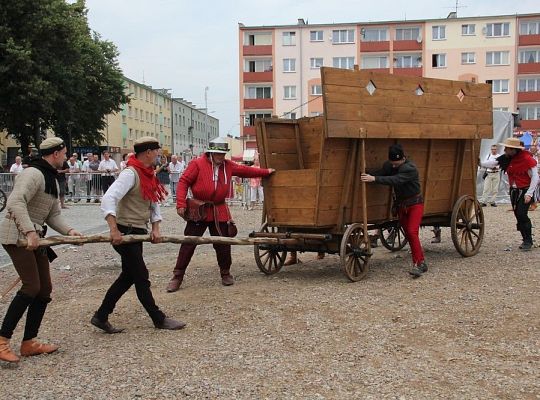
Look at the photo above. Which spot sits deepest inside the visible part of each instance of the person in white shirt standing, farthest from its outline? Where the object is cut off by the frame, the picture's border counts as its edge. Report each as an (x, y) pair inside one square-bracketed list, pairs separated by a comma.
[(74, 180), (491, 180), (17, 167), (108, 168), (176, 168)]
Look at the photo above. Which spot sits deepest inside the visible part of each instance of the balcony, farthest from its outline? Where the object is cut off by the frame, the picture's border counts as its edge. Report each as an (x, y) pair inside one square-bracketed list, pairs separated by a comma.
[(374, 46), (250, 77), (258, 104), (249, 130), (529, 124), (529, 68), (529, 40), (528, 97), (406, 45), (416, 71), (377, 70), (261, 50)]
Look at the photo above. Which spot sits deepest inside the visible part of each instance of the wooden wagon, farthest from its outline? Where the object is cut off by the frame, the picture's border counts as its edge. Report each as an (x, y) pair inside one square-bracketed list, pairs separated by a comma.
[(316, 201)]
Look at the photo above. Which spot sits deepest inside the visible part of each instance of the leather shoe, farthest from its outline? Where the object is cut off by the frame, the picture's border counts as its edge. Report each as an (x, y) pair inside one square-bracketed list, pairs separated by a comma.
[(174, 284), (227, 280), (105, 326), (5, 351), (170, 324), (34, 348)]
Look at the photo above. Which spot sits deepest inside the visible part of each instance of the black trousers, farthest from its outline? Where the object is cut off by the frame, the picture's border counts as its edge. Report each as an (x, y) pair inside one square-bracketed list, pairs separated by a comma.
[(521, 210), (134, 272), (106, 181)]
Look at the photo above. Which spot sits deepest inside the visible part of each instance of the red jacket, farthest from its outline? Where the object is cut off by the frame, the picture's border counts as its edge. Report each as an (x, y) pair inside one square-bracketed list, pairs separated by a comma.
[(518, 170), (199, 177)]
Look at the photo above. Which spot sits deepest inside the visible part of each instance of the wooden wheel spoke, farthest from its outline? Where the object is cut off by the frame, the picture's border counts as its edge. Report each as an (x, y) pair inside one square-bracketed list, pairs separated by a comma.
[(467, 226)]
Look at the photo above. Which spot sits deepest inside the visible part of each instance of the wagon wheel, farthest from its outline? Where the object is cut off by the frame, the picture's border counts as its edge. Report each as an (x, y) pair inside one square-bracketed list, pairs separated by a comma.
[(467, 226), (269, 258), (393, 237), (355, 252), (3, 200)]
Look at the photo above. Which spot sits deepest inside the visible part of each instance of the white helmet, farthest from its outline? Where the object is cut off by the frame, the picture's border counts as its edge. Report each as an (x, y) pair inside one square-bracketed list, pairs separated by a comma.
[(218, 145)]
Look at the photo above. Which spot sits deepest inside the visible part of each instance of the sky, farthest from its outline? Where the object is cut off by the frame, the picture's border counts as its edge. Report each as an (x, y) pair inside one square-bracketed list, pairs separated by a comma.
[(189, 45)]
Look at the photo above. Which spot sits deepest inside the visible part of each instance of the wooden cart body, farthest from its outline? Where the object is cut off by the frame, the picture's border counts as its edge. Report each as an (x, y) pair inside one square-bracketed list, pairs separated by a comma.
[(318, 161)]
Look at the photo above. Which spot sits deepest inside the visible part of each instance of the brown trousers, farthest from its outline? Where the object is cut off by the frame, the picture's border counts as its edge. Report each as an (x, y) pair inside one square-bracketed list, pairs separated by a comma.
[(33, 269)]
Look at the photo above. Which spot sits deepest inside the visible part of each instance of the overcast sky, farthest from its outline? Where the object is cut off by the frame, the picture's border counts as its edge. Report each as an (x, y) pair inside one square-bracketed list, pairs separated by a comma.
[(188, 45)]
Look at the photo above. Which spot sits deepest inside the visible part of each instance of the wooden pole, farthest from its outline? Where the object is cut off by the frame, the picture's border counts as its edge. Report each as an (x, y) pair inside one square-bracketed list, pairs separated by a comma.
[(364, 194), (79, 240)]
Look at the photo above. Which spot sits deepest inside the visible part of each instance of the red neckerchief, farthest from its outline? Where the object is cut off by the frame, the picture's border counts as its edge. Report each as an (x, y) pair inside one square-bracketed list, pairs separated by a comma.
[(151, 187)]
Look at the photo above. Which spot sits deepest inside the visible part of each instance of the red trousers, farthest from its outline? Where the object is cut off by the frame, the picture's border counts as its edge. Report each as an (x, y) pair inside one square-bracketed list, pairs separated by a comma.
[(223, 251), (410, 219)]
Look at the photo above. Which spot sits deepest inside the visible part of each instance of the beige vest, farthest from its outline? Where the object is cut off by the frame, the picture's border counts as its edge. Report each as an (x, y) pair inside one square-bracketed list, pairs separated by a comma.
[(132, 209)]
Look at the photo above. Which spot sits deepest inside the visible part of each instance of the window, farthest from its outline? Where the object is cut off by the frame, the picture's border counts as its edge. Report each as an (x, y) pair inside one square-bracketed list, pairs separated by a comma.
[(290, 115), (289, 38), (529, 56), (374, 35), (147, 117), (142, 115), (343, 36), (289, 65), (343, 62), (529, 28), (468, 58), (316, 90), (529, 112), (529, 85), (408, 61), (500, 108), (130, 112), (438, 60), (439, 32), (374, 62), (497, 57), (250, 118), (316, 62), (407, 33), (289, 92), (253, 92), (258, 39), (499, 85), (258, 65), (498, 29), (315, 113), (136, 113), (316, 36), (468, 29)]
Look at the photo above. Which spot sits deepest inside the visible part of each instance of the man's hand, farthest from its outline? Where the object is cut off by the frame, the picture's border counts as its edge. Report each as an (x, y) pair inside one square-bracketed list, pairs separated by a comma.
[(367, 178), (116, 236), (181, 212), (155, 235), (73, 232), (33, 241), (527, 199), (272, 170)]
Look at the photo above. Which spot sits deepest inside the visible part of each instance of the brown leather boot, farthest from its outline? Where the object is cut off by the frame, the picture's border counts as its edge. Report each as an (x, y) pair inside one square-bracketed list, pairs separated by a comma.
[(227, 279), (174, 283), (34, 348), (5, 351), (292, 259)]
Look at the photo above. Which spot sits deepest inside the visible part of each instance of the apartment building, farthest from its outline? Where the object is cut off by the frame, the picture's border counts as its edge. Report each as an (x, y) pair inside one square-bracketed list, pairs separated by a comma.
[(192, 128), (279, 65)]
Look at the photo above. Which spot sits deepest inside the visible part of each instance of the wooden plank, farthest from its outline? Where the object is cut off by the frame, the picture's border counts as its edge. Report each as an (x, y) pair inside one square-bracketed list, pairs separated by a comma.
[(332, 177), (293, 178), (284, 146), (334, 159), (351, 129), (300, 197), (329, 198), (406, 113), (260, 132), (440, 190), (292, 216), (343, 77), (354, 95), (346, 190), (298, 147), (276, 130), (283, 161)]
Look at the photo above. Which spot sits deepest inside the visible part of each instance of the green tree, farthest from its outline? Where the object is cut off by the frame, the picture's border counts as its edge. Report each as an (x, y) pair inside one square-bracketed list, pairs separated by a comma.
[(55, 72)]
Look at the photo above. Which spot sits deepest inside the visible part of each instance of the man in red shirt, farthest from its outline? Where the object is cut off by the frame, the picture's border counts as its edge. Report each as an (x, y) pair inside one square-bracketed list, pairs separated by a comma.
[(522, 173), (209, 177)]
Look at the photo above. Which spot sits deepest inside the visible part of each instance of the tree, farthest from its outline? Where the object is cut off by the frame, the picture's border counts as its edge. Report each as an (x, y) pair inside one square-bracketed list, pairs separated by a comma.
[(55, 73)]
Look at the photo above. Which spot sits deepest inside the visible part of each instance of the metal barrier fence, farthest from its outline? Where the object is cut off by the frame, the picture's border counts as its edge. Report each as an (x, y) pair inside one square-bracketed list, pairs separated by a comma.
[(89, 187)]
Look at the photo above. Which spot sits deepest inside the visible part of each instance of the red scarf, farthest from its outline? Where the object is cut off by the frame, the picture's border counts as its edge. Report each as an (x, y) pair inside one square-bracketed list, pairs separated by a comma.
[(151, 187)]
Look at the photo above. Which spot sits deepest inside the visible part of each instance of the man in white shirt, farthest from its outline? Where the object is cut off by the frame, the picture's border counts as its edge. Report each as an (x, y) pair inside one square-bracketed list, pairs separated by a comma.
[(492, 180), (176, 168), (17, 167), (108, 168), (74, 180), (133, 200)]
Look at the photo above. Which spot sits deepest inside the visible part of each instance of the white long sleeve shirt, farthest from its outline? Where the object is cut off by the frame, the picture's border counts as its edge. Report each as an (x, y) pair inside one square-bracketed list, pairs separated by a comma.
[(117, 191), (105, 165)]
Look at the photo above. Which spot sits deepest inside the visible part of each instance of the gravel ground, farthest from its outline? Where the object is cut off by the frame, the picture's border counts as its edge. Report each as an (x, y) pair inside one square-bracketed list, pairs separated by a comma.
[(468, 329)]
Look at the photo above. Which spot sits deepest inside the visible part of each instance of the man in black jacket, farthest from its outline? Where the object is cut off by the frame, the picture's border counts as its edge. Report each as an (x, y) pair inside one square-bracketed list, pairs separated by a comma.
[(402, 175)]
